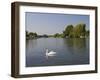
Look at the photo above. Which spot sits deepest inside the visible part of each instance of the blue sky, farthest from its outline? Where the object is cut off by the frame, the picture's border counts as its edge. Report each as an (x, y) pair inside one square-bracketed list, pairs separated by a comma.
[(51, 23)]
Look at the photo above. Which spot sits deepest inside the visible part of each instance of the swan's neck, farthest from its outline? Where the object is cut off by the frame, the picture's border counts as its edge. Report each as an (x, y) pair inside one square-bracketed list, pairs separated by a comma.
[(46, 51)]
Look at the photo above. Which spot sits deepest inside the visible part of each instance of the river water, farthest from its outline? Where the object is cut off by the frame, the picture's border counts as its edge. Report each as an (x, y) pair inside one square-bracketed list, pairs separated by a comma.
[(69, 51)]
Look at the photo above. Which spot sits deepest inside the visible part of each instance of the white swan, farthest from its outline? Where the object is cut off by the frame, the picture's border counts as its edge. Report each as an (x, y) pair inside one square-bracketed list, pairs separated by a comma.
[(51, 53)]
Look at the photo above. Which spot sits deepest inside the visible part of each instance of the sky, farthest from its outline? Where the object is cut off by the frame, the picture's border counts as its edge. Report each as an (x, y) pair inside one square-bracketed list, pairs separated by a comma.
[(51, 23)]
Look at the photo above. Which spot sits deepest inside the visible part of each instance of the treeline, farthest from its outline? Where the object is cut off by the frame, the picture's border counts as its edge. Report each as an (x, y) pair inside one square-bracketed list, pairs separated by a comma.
[(31, 35), (78, 31)]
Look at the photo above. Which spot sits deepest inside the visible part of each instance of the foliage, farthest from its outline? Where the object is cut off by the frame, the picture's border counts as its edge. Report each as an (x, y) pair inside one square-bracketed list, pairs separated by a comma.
[(78, 31), (45, 36), (30, 35), (68, 31), (27, 33), (56, 35), (87, 33)]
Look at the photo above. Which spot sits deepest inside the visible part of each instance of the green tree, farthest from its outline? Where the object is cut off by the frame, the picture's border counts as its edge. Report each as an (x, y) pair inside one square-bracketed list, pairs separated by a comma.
[(79, 30), (57, 35), (35, 34), (87, 33), (32, 35), (68, 31)]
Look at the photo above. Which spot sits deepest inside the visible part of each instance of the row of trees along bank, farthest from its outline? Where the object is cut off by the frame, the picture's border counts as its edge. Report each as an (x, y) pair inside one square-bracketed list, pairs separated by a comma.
[(78, 31)]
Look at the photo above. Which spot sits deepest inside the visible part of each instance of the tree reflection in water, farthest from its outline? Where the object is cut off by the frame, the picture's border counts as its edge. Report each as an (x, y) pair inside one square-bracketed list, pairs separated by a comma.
[(75, 44)]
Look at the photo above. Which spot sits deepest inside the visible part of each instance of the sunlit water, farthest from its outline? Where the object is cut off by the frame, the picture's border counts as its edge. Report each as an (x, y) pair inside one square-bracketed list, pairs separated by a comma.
[(68, 51)]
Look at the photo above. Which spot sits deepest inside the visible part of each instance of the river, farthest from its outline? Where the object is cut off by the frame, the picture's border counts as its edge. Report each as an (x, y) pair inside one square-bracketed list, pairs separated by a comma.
[(69, 51)]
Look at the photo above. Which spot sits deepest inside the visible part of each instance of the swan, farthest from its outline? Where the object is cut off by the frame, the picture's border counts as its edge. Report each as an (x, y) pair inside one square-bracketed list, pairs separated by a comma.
[(51, 53)]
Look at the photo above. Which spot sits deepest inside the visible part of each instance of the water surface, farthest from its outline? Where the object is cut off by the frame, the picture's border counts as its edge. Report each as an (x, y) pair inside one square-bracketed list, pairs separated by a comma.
[(69, 51)]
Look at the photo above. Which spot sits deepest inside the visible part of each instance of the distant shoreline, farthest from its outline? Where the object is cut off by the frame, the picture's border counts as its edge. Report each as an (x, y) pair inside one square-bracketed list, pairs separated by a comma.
[(79, 31)]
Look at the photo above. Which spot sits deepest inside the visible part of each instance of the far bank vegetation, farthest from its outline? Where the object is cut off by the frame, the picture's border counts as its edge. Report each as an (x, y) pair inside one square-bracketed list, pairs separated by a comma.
[(78, 31)]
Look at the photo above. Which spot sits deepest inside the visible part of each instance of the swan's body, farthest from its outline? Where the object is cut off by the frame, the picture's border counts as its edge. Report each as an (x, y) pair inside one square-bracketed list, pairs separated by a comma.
[(51, 53)]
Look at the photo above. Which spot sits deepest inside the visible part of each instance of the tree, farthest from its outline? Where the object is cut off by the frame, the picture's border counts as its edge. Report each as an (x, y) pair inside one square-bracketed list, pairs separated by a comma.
[(32, 35), (45, 36), (87, 33), (56, 35), (27, 34), (35, 34), (79, 30), (68, 31)]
